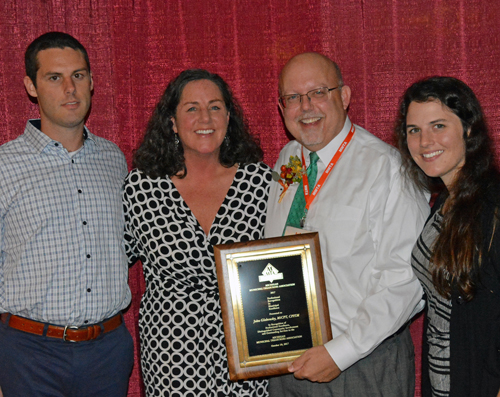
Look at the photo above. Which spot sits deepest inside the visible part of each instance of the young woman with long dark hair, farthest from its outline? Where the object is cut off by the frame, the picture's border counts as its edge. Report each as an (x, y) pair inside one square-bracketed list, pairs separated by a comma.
[(443, 137)]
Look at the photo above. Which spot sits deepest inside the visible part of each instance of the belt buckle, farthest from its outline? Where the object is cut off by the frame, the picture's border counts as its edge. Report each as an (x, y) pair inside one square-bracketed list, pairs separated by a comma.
[(65, 331)]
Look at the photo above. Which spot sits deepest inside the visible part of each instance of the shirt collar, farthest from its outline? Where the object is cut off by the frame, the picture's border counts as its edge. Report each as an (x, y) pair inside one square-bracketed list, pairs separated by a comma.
[(326, 154), (39, 140)]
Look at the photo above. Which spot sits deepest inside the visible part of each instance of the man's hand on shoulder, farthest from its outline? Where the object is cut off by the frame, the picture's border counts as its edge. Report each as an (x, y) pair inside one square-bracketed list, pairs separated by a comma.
[(316, 365)]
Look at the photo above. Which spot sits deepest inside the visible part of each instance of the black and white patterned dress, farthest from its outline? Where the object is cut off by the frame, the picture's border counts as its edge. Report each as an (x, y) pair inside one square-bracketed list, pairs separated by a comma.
[(183, 351)]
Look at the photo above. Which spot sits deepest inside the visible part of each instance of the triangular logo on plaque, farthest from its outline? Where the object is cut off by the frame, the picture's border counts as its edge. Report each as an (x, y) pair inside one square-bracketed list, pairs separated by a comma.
[(269, 274)]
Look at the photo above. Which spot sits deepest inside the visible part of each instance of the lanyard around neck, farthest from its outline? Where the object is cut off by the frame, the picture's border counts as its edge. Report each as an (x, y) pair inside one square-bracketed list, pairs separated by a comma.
[(305, 183)]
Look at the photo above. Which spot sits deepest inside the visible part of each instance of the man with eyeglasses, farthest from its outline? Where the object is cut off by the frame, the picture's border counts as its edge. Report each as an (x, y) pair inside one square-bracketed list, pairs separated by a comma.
[(368, 220)]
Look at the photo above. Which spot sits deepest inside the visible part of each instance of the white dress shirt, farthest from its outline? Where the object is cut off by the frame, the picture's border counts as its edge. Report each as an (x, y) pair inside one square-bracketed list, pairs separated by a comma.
[(368, 218)]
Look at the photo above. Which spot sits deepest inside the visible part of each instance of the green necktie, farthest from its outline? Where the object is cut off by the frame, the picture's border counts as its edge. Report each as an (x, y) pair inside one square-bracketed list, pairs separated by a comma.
[(299, 202)]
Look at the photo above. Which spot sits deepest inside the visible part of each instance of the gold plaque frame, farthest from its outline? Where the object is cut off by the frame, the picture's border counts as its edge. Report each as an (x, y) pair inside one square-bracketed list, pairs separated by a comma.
[(228, 257)]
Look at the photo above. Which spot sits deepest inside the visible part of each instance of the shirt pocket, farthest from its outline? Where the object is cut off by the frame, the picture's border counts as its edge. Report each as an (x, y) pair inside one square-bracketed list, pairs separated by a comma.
[(339, 226)]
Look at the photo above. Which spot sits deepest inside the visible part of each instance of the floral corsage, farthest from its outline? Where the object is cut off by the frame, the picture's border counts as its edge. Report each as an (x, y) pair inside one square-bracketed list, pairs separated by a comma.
[(290, 173)]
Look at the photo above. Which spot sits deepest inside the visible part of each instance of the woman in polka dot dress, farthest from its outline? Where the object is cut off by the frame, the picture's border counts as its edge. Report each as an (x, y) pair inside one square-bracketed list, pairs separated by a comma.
[(198, 182)]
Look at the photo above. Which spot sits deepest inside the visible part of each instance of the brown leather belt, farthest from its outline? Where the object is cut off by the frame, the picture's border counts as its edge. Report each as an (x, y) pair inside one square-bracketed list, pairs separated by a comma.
[(68, 333)]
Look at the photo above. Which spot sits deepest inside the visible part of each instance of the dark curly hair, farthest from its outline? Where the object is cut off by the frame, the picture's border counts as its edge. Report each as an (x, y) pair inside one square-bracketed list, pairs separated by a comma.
[(159, 156), (458, 249)]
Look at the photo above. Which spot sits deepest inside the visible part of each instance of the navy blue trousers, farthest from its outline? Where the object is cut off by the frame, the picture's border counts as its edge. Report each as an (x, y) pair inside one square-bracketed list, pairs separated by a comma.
[(39, 366)]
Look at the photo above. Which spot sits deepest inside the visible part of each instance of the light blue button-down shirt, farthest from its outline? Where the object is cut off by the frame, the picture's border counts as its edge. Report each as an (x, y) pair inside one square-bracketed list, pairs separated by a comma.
[(62, 257)]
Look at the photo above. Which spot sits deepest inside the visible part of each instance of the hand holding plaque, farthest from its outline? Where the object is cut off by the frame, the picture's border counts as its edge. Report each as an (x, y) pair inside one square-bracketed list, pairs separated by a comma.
[(273, 302)]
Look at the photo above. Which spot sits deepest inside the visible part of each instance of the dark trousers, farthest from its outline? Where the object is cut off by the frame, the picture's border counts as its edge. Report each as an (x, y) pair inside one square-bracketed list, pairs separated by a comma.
[(36, 366), (389, 371)]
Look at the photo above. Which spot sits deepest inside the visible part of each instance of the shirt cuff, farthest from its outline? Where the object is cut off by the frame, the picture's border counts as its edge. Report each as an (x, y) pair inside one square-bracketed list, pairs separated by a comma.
[(342, 352)]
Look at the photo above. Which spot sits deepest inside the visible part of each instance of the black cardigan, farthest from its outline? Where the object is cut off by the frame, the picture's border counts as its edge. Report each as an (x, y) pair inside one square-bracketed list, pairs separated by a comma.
[(475, 325)]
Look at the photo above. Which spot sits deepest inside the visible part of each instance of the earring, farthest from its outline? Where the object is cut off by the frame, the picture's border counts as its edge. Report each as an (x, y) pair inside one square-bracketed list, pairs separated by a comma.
[(176, 140), (226, 141)]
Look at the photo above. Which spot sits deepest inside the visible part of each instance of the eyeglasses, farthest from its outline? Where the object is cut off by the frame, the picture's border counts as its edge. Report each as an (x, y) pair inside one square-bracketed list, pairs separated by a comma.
[(316, 95)]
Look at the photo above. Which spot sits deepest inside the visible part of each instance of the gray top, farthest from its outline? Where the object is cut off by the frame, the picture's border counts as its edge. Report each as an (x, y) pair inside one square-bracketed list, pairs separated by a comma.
[(437, 333)]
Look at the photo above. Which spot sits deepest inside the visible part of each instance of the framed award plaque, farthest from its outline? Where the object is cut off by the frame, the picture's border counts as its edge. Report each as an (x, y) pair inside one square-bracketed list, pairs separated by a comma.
[(273, 301)]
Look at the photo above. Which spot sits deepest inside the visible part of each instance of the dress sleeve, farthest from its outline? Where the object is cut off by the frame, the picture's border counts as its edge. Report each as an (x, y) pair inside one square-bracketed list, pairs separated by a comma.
[(130, 240)]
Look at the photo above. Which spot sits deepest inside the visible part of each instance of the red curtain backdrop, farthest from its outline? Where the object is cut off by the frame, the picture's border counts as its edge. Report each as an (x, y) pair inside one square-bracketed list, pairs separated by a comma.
[(137, 46)]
